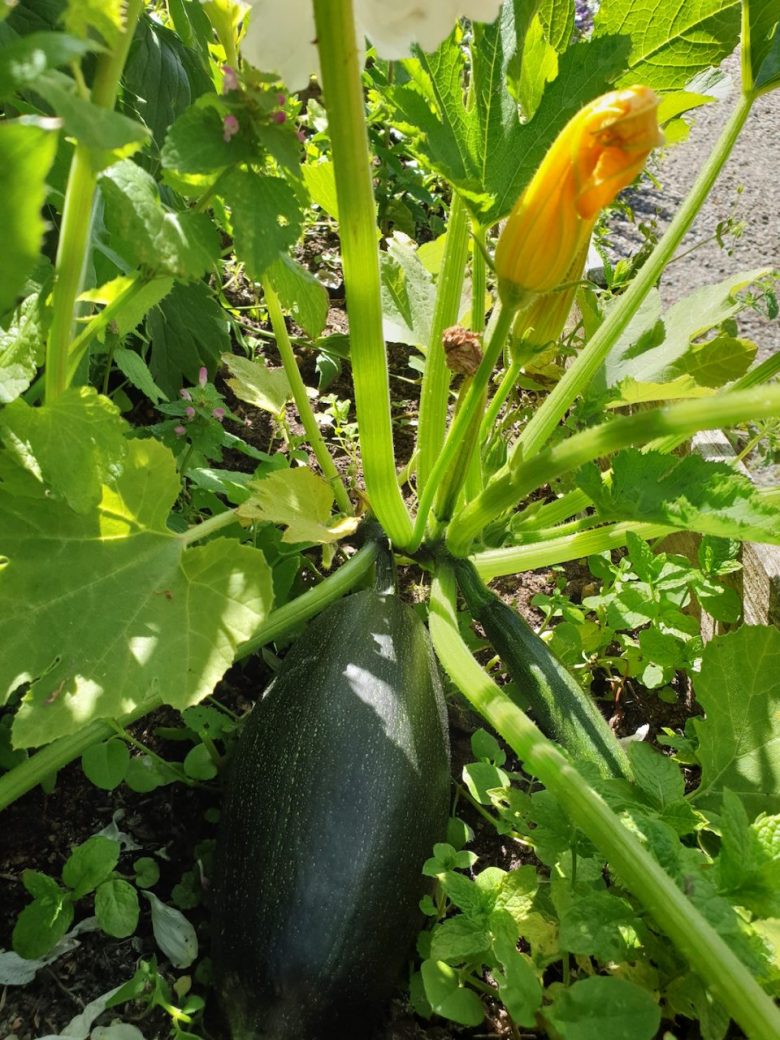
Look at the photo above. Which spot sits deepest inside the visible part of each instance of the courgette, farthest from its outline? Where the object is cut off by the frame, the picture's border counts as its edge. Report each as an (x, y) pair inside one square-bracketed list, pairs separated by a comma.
[(562, 709), (338, 789)]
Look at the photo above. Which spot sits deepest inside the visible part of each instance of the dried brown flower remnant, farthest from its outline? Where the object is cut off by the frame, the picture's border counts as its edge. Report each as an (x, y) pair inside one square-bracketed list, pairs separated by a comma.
[(463, 350)]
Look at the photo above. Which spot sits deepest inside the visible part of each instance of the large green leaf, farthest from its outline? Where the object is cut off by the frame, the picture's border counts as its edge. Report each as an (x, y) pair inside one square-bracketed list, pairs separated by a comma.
[(188, 329), (655, 348), (739, 738), (763, 56), (161, 77), (22, 348), (689, 493), (267, 218), (110, 134), (182, 244), (26, 154), (71, 446), (671, 42), (196, 143), (486, 152), (602, 1007), (99, 611)]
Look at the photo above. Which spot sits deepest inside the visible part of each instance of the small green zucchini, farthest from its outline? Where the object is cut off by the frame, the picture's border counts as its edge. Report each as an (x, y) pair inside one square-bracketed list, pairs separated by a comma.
[(338, 789), (563, 710)]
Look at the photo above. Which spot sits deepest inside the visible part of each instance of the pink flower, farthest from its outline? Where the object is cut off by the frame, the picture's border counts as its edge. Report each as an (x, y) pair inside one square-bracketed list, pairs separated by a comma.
[(279, 117), (185, 394), (218, 414), (203, 375), (230, 79), (179, 431), (230, 127), (281, 99), (190, 412)]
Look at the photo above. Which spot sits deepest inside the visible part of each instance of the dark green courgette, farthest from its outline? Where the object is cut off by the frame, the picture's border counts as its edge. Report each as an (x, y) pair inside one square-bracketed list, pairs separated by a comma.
[(338, 789), (562, 709)]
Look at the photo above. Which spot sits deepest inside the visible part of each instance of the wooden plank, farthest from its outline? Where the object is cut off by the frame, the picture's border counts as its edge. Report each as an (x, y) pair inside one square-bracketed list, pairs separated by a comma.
[(760, 578)]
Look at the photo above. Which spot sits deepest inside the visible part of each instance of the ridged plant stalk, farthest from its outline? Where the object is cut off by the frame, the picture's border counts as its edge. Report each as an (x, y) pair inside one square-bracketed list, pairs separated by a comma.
[(434, 395), (28, 774), (575, 381), (343, 93), (512, 483), (708, 954), (301, 398), (452, 462), (496, 563), (76, 229)]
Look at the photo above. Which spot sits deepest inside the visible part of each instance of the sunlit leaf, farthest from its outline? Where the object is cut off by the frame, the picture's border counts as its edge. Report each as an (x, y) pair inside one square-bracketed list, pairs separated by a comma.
[(26, 154), (257, 384), (129, 610), (302, 502)]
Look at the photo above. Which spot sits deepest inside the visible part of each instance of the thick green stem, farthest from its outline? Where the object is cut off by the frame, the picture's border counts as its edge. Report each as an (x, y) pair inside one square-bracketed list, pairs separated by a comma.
[(343, 92), (508, 380), (75, 232), (512, 484), (478, 280), (495, 563), (301, 399), (432, 418), (629, 860), (28, 774), (447, 466), (582, 371)]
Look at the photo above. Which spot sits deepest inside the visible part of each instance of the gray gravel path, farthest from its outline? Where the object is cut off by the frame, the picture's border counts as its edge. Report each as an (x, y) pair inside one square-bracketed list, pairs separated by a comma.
[(747, 189)]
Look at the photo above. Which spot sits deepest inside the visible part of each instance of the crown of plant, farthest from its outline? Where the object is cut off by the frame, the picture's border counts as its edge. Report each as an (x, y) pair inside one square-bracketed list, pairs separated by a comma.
[(599, 151)]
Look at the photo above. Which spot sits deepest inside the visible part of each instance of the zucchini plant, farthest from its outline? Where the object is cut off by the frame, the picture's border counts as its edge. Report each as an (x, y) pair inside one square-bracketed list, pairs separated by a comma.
[(134, 573)]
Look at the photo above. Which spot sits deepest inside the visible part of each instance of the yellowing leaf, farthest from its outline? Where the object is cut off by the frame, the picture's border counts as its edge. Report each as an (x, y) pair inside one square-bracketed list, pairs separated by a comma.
[(106, 16), (632, 391), (300, 501), (257, 384)]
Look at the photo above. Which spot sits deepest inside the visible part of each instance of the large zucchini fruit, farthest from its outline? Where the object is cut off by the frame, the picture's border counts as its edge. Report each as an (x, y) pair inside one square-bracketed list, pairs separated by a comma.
[(563, 710), (338, 789)]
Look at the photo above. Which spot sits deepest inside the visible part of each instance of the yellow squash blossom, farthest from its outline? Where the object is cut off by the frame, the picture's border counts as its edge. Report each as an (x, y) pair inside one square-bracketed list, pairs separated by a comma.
[(599, 151)]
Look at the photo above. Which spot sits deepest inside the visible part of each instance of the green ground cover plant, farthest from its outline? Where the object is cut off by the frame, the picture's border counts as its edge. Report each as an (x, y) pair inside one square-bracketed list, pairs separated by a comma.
[(197, 458)]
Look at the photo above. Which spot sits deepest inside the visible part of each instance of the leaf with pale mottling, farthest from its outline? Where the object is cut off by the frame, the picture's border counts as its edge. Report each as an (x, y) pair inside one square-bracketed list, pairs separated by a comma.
[(739, 738), (257, 384), (71, 446), (300, 501), (128, 612), (671, 42)]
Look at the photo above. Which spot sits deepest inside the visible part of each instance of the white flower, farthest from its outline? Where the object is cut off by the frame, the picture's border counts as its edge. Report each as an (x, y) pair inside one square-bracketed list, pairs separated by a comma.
[(281, 37)]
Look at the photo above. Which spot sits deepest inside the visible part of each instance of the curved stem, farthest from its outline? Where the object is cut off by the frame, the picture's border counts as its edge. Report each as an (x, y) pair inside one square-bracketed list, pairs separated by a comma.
[(28, 774), (432, 418), (447, 468), (75, 232), (301, 398), (582, 371), (511, 484), (495, 563), (628, 858), (343, 92)]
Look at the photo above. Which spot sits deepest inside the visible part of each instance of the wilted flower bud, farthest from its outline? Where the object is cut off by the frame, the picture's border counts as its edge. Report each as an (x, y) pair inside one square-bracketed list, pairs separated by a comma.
[(599, 151), (218, 414), (185, 394), (463, 350), (203, 375)]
